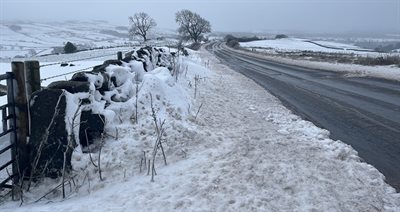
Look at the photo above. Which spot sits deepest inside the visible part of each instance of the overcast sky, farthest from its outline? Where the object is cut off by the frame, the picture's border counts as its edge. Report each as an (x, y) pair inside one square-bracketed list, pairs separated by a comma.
[(333, 16)]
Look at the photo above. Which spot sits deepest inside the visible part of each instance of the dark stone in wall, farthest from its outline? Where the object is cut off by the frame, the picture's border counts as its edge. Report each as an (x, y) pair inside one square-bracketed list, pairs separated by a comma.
[(71, 86), (91, 128), (49, 147)]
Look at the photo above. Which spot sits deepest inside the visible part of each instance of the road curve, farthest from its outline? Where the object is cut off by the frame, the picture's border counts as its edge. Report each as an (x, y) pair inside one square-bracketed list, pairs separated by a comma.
[(362, 112)]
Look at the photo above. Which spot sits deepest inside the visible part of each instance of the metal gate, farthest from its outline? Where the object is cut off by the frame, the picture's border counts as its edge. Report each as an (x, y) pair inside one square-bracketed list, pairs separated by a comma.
[(8, 149)]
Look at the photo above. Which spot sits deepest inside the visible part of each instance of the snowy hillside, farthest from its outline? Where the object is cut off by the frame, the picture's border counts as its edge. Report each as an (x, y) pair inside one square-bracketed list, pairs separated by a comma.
[(21, 39)]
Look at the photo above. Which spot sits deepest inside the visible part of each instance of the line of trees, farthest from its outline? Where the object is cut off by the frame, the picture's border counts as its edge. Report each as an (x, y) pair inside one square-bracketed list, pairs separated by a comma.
[(191, 25)]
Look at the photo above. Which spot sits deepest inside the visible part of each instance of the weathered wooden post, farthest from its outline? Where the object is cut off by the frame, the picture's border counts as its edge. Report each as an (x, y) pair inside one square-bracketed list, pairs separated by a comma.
[(32, 77), (21, 114), (32, 81), (119, 55)]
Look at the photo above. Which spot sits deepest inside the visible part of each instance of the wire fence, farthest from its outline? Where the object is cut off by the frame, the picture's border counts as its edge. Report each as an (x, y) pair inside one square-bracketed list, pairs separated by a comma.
[(80, 59), (76, 71), (65, 74)]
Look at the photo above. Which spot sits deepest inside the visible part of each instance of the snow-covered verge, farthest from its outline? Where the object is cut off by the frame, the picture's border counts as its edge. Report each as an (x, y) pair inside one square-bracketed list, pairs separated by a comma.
[(244, 152), (390, 72)]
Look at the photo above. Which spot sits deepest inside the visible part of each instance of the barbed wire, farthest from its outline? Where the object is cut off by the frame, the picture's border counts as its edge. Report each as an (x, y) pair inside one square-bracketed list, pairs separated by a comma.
[(64, 74), (80, 59)]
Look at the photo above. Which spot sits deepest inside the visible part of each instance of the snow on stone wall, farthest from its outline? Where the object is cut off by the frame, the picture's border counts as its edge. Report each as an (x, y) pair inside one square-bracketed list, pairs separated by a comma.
[(96, 99)]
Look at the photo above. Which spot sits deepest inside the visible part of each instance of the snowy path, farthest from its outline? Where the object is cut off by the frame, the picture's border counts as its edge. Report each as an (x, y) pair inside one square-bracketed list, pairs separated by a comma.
[(248, 153)]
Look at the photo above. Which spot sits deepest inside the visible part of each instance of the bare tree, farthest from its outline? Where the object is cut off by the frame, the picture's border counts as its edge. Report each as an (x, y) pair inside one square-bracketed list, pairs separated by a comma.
[(141, 23), (192, 25)]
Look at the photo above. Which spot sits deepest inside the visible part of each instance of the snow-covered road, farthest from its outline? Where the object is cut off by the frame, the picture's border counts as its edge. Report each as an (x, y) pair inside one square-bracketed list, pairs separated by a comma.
[(246, 153)]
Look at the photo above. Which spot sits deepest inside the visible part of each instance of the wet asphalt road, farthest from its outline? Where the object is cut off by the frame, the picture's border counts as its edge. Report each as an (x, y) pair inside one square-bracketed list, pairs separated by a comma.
[(362, 112)]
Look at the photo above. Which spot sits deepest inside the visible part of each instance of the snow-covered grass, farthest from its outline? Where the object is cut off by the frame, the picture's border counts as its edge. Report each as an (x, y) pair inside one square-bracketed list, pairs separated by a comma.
[(244, 152)]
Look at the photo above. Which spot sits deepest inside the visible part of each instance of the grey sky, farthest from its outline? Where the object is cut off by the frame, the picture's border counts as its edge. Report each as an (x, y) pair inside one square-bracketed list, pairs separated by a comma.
[(234, 15)]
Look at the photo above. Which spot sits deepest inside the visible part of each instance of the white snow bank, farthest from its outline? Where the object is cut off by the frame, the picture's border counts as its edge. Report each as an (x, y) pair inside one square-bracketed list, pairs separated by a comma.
[(125, 141)]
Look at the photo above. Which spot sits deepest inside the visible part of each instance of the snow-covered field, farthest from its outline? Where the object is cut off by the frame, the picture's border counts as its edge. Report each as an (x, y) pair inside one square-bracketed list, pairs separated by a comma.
[(299, 45), (27, 38), (243, 152)]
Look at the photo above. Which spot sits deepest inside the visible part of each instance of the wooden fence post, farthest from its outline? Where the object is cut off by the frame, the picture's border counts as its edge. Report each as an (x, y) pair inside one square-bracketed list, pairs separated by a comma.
[(32, 77), (21, 113), (32, 80), (119, 55)]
